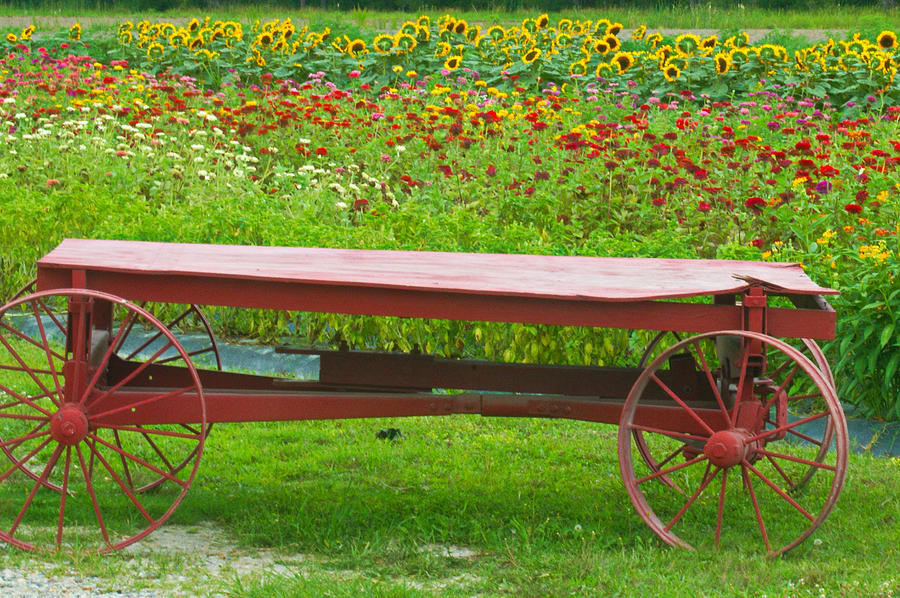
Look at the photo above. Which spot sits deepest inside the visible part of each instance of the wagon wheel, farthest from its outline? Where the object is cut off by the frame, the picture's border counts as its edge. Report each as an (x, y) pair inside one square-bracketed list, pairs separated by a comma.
[(193, 329), (712, 451), (137, 338), (25, 289), (69, 413), (809, 347)]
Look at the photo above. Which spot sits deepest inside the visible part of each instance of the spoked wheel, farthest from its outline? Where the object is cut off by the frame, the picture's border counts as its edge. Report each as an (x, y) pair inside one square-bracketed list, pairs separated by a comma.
[(26, 289), (74, 416), (193, 330), (718, 446)]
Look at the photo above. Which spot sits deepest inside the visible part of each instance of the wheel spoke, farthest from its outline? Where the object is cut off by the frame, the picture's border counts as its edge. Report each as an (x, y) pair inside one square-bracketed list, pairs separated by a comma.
[(62, 497), (721, 508), (712, 383), (104, 361), (26, 401), (22, 336), (159, 453), (90, 489), (168, 395), (779, 491), (28, 371), (131, 376), (669, 470), (49, 355), (18, 464), (772, 454), (126, 489), (672, 455), (144, 431), (682, 404), (190, 354), (16, 442), (759, 518), (51, 463), (52, 316), (706, 480), (805, 437), (781, 472), (786, 428), (15, 368), (136, 459), (668, 433), (122, 458)]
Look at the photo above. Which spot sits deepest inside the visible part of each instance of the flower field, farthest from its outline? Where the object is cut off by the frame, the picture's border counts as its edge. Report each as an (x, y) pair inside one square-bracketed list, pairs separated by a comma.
[(558, 138)]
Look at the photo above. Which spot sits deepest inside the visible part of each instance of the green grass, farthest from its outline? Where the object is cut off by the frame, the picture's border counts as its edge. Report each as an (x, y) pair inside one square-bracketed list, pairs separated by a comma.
[(703, 16), (538, 503)]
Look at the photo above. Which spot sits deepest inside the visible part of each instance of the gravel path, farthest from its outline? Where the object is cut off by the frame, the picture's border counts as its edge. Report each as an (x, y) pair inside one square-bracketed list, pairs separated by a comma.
[(15, 583)]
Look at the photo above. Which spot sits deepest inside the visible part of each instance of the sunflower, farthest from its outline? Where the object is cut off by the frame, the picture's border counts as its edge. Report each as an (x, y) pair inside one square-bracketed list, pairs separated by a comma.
[(196, 44), (562, 40), (125, 38), (216, 34), (623, 61), (614, 29), (686, 43), (179, 38), (424, 21), (638, 34), (671, 72), (741, 40), (613, 42), (653, 39), (287, 30), (564, 25), (126, 26), (723, 63), (155, 51), (601, 47), (530, 25), (405, 42), (75, 32), (383, 43), (603, 69), (356, 47), (409, 27), (497, 32), (442, 50), (423, 34), (879, 61), (531, 55), (460, 27), (708, 44), (11, 38), (193, 25), (27, 32), (264, 39), (473, 33), (772, 53), (452, 63), (578, 68), (602, 25), (542, 21)]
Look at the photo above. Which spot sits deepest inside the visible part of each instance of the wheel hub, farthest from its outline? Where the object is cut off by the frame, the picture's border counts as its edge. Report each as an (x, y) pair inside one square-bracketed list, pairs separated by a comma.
[(726, 448), (69, 425)]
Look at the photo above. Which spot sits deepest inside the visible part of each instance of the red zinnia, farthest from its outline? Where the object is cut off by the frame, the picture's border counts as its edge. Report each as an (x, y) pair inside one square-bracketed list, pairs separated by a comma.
[(321, 151), (853, 208)]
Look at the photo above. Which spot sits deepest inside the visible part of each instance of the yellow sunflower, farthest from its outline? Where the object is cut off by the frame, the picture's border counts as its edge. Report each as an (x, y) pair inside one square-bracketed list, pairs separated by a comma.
[(886, 40), (723, 63), (405, 42), (638, 34), (155, 51), (75, 32), (460, 27), (531, 55), (383, 43), (623, 61), (356, 48), (671, 72), (452, 63), (612, 42), (424, 21), (579, 67), (442, 50), (11, 38), (614, 29), (542, 21), (708, 44)]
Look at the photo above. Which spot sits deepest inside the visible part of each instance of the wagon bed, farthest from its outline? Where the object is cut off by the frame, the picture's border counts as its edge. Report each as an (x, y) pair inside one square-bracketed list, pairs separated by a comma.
[(465, 286)]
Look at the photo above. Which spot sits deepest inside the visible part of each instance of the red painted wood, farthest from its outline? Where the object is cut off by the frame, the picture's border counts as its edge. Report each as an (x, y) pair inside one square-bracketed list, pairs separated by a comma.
[(237, 406), (552, 277)]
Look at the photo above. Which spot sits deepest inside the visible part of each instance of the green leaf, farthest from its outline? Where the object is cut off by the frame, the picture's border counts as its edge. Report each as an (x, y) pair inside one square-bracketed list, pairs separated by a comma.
[(886, 334), (891, 369)]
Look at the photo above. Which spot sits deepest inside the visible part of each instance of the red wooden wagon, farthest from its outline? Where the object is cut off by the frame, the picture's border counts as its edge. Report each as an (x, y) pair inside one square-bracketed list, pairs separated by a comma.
[(103, 413)]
